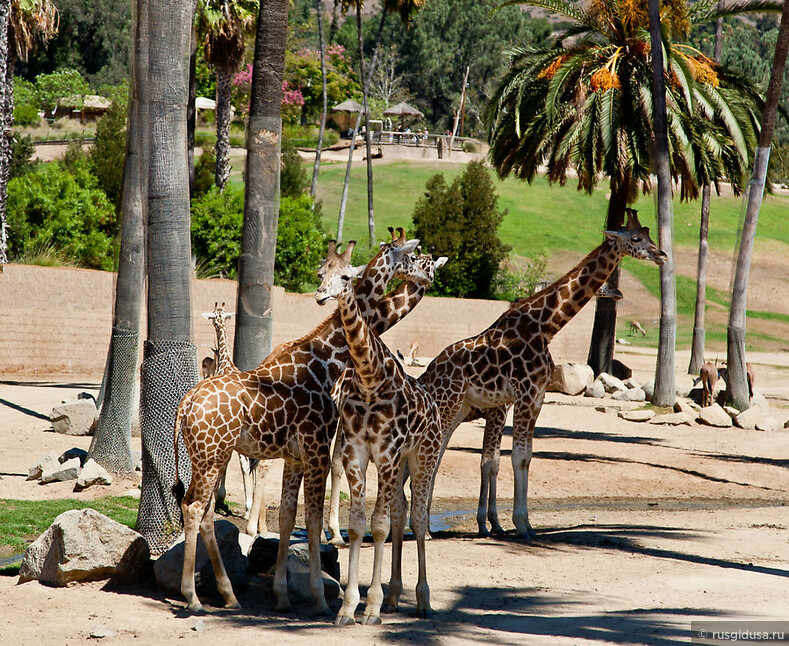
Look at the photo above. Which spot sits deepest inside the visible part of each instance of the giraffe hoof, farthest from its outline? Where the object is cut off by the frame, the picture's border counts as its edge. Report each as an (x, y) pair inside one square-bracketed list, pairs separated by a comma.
[(483, 533), (344, 620), (323, 612), (371, 620), (389, 608), (424, 613), (498, 531), (233, 605), (195, 609), (284, 608), (337, 542)]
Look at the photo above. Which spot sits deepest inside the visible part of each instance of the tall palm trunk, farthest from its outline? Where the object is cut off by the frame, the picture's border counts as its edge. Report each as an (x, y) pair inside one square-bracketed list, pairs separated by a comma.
[(601, 347), (737, 380), (316, 168), (111, 444), (224, 89), (366, 113), (261, 204), (170, 363), (665, 393), (5, 129), (365, 92), (335, 21), (699, 334), (191, 110)]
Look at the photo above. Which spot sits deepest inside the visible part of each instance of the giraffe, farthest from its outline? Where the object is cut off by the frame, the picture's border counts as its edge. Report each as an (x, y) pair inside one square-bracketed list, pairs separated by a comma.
[(282, 409), (251, 470), (386, 417), (509, 363), (429, 265)]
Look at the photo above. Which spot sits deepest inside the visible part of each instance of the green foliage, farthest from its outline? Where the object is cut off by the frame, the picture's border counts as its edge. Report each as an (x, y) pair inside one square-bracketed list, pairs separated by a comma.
[(461, 221), (75, 159), (301, 243), (108, 153), (62, 84), (292, 176), (25, 103), (22, 150), (217, 222), (512, 284), (65, 210), (204, 172)]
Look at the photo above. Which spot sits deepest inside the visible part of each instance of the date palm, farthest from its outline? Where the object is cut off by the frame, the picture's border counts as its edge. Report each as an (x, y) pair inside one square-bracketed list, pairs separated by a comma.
[(224, 24), (583, 105)]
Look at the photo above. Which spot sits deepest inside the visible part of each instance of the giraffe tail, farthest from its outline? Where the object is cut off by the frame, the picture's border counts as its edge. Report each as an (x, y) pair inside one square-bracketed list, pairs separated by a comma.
[(178, 488)]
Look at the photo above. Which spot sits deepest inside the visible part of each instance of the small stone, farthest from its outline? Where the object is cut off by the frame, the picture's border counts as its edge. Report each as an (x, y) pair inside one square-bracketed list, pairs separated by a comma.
[(714, 416), (99, 632), (47, 463), (672, 419), (77, 417), (61, 472), (786, 424), (750, 418), (637, 415), (768, 424), (622, 341), (595, 390), (199, 626), (611, 383), (92, 474)]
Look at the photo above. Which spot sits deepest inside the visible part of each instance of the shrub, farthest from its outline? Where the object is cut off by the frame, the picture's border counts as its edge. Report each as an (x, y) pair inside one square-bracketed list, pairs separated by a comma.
[(204, 172), (53, 208), (301, 243), (510, 285), (292, 175), (217, 221), (22, 150), (460, 220), (25, 103), (108, 153)]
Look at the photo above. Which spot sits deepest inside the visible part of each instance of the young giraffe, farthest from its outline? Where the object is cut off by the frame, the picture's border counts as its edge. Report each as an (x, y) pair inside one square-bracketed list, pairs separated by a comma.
[(386, 416), (281, 409), (251, 470), (510, 363)]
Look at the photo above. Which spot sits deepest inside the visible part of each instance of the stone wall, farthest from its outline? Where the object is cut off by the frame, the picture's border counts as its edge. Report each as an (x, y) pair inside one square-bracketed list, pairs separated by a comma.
[(58, 321)]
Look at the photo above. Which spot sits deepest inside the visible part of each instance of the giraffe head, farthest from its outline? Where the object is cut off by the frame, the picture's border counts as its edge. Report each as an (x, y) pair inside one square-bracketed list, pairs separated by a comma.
[(336, 271), (633, 240), (218, 315), (428, 264), (396, 259)]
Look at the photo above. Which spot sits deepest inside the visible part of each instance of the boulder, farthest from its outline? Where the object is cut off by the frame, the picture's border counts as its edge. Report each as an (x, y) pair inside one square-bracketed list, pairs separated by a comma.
[(84, 545), (263, 555), (299, 582), (635, 394), (760, 400), (768, 424), (168, 567), (620, 370), (636, 415), (596, 389), (61, 472), (78, 417), (681, 406), (786, 424), (750, 418), (92, 473), (571, 378), (714, 416), (611, 383), (672, 419), (649, 389), (631, 382), (47, 463)]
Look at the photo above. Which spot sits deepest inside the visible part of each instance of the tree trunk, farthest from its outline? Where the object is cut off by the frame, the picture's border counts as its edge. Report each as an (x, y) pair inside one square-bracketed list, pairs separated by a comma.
[(261, 203), (366, 113), (335, 21), (170, 363), (737, 380), (224, 88), (5, 127), (697, 349), (601, 347), (316, 168), (665, 392), (365, 90), (191, 111), (111, 444)]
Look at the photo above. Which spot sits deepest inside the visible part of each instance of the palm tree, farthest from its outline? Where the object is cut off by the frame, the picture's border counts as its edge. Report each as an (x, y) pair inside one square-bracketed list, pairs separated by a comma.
[(584, 104), (224, 24), (22, 24), (170, 359), (261, 203), (111, 444), (737, 379), (321, 43)]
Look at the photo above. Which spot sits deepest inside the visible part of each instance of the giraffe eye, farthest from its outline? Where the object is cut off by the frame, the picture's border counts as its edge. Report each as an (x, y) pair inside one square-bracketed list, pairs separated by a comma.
[(636, 238)]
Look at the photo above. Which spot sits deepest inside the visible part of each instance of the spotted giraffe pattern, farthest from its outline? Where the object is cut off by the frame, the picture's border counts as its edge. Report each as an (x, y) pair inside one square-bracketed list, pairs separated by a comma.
[(281, 409), (386, 417), (509, 363)]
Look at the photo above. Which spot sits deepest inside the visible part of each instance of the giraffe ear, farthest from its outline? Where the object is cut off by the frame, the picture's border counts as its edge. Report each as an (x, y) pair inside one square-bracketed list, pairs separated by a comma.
[(228, 315), (208, 315), (409, 245), (612, 235), (441, 261), (356, 271)]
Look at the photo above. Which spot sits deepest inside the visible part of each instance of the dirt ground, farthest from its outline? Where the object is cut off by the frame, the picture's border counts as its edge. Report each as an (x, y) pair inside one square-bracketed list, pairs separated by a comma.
[(642, 529)]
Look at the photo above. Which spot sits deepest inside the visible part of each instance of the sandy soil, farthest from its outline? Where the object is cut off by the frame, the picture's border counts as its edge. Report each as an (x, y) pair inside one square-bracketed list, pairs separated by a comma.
[(641, 530)]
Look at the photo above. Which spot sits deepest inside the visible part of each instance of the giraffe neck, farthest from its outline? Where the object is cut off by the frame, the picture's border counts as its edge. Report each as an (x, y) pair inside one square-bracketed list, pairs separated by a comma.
[(556, 305), (364, 347), (224, 360)]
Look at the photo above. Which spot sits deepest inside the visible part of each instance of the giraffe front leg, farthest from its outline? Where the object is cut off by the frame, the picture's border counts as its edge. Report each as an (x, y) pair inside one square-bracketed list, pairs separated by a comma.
[(256, 520), (291, 481), (355, 462), (335, 538), (398, 511), (522, 438), (314, 493), (421, 478), (495, 419), (379, 524), (223, 583)]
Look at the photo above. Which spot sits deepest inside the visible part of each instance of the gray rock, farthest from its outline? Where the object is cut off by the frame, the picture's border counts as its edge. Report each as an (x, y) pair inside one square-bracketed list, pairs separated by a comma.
[(636, 394), (77, 417), (168, 567), (199, 626), (681, 406), (620, 395), (595, 390), (61, 472), (84, 545), (632, 382), (768, 424), (649, 389), (672, 419), (636, 415), (299, 582), (101, 631), (571, 378), (622, 341), (263, 555), (620, 370), (92, 473), (47, 463), (731, 411), (245, 541), (750, 418), (611, 383), (760, 400), (714, 416), (786, 424)]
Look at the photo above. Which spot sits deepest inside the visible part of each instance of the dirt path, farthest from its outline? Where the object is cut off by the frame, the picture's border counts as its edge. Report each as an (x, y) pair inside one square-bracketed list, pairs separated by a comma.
[(641, 530)]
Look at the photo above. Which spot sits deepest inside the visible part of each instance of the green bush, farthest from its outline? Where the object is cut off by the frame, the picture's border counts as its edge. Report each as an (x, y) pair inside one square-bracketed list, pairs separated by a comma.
[(53, 208), (460, 220), (25, 103), (292, 174), (217, 221), (108, 153), (301, 244), (204, 172), (26, 114), (63, 84), (510, 285), (22, 150)]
